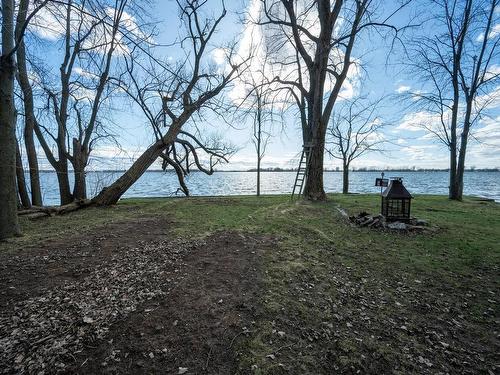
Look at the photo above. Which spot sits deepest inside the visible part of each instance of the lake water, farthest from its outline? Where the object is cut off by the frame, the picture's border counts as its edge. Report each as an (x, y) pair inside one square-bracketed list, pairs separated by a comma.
[(164, 184)]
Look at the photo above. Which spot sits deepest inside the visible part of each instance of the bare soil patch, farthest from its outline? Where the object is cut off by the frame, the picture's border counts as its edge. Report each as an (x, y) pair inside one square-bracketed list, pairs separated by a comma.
[(196, 326), (30, 271), (126, 299)]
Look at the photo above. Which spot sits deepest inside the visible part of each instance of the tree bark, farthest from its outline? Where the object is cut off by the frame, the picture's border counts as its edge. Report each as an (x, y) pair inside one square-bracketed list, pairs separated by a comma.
[(9, 225), (345, 179), (21, 180), (29, 113), (258, 176), (313, 189), (80, 156), (80, 185), (63, 181), (259, 139), (463, 151)]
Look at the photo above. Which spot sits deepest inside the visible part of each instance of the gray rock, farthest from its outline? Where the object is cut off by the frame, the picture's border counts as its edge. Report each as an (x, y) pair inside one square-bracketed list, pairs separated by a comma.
[(421, 223), (397, 225)]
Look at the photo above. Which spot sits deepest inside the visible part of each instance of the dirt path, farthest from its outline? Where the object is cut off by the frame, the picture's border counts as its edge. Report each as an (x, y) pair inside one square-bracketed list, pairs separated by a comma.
[(124, 300), (197, 324)]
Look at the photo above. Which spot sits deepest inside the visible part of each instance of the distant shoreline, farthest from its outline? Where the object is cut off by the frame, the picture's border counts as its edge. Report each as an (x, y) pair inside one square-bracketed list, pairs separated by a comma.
[(295, 170)]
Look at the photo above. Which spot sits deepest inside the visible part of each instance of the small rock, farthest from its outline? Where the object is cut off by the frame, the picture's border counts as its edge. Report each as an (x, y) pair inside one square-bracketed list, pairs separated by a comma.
[(151, 355), (424, 361), (397, 225), (444, 344), (182, 370), (421, 223)]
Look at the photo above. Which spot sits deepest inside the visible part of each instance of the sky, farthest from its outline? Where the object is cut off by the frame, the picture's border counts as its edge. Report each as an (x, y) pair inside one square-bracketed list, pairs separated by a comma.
[(381, 74)]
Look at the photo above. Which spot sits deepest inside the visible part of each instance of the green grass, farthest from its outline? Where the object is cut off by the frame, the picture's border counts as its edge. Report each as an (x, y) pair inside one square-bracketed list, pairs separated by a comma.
[(319, 256)]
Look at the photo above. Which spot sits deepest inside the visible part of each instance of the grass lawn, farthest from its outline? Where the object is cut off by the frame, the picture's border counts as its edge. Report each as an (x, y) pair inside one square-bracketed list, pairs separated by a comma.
[(333, 298)]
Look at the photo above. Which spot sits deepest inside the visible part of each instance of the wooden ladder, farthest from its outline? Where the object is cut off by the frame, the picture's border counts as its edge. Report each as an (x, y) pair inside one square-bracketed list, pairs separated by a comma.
[(303, 170)]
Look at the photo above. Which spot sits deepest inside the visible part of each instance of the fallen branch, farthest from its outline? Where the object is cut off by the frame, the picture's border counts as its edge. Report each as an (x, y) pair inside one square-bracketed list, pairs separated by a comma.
[(36, 212)]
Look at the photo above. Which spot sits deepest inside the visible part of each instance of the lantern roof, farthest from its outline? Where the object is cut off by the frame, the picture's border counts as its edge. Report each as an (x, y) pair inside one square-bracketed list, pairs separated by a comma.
[(396, 190)]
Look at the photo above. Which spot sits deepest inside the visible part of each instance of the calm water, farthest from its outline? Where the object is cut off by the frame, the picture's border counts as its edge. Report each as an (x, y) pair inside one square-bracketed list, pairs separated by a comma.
[(161, 184)]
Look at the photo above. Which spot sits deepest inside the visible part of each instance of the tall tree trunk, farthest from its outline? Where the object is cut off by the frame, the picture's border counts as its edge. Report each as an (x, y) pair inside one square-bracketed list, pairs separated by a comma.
[(258, 176), (313, 189), (63, 182), (460, 172), (80, 157), (111, 194), (314, 184), (80, 185), (29, 113), (345, 179), (452, 190), (9, 225), (462, 152), (259, 139), (21, 180)]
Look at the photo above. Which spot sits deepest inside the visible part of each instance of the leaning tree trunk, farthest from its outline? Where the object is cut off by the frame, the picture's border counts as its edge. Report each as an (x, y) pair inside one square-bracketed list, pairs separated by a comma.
[(21, 180), (9, 225), (345, 179), (111, 194)]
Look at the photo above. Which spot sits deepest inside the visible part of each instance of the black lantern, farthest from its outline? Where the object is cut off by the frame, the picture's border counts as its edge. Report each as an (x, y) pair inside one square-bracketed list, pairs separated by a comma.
[(396, 201)]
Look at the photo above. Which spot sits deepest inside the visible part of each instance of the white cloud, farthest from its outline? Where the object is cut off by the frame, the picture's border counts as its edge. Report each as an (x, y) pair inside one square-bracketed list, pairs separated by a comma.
[(402, 88), (418, 121), (494, 70), (49, 24), (257, 40), (401, 141), (219, 56), (495, 31), (490, 100)]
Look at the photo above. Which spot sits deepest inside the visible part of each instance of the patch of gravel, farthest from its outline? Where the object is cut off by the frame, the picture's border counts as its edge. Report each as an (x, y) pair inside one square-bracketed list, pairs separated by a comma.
[(42, 334)]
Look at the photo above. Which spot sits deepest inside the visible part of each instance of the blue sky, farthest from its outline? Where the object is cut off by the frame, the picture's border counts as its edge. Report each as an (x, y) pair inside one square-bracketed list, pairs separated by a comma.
[(410, 146)]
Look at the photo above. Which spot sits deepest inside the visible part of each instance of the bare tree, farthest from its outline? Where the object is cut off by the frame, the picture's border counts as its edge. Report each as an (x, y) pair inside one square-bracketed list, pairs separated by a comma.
[(9, 225), (258, 106), (261, 135), (147, 86), (194, 85), (457, 68), (28, 106), (94, 34), (355, 131), (322, 35)]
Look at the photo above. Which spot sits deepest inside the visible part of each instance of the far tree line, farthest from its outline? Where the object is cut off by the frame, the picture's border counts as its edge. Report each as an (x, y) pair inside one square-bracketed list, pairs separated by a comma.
[(299, 64)]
